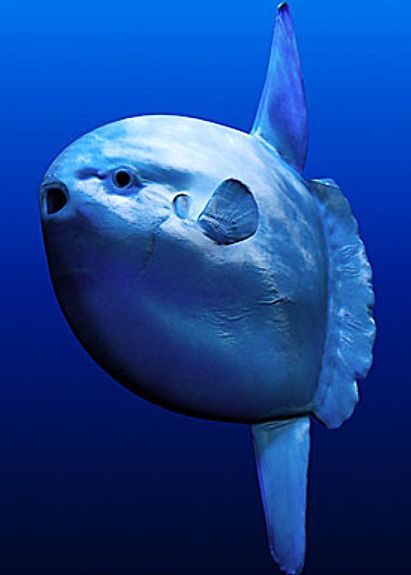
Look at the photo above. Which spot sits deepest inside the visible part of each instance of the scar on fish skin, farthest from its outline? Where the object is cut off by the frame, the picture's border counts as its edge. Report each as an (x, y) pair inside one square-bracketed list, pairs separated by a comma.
[(149, 252), (276, 301)]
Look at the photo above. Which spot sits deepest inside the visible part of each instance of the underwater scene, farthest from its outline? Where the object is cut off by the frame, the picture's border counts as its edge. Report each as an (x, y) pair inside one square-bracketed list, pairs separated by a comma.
[(216, 274)]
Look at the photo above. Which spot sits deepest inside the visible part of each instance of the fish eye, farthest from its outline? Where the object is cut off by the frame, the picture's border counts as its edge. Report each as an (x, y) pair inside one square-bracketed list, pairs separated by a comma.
[(123, 178)]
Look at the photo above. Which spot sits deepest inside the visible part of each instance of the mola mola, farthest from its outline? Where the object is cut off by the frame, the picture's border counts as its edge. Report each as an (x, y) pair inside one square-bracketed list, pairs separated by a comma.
[(202, 271)]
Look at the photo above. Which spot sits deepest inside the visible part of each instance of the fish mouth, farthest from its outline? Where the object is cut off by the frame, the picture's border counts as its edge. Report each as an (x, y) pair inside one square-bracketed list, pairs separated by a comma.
[(54, 197)]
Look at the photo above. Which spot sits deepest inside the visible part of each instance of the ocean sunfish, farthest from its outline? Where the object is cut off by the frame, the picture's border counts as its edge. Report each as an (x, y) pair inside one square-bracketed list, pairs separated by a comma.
[(202, 271)]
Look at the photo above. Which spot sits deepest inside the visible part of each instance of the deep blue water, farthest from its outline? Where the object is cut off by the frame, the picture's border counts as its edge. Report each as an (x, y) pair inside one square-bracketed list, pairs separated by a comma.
[(96, 481)]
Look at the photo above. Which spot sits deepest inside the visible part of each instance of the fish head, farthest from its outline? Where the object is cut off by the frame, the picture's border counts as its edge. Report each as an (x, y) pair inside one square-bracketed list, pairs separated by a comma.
[(100, 199), (122, 198), (111, 190)]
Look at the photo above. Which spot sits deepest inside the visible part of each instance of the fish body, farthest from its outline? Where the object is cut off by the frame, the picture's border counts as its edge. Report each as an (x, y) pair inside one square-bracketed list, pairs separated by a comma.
[(220, 331), (201, 270)]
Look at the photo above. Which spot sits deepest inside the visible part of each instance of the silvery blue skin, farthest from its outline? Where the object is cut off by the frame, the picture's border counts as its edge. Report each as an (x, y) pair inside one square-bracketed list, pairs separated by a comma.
[(201, 270)]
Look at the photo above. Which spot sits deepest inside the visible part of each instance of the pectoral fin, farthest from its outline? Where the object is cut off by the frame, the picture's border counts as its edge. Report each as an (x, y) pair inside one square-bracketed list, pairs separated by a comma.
[(282, 454), (231, 215)]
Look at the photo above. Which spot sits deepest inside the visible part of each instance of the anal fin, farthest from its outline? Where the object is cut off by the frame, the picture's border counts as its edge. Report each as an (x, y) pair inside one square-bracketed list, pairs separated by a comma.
[(282, 454)]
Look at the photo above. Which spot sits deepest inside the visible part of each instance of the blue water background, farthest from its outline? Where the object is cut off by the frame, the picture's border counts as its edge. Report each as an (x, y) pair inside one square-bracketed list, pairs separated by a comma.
[(96, 481)]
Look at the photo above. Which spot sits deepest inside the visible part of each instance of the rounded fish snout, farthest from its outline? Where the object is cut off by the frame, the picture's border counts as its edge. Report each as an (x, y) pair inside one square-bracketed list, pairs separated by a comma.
[(54, 197)]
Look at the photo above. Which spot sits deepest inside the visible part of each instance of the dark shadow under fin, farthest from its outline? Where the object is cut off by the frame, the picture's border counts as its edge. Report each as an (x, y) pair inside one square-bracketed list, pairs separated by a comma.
[(231, 215), (281, 119), (282, 453)]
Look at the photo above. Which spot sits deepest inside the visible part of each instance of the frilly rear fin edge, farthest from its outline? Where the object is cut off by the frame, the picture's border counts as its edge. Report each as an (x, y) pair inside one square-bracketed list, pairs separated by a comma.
[(348, 349)]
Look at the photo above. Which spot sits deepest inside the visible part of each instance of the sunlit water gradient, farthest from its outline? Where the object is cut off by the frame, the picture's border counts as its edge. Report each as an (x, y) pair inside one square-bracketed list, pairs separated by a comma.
[(96, 481)]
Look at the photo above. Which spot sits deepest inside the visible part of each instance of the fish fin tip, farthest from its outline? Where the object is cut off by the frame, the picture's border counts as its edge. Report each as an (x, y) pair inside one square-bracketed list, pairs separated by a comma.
[(282, 6)]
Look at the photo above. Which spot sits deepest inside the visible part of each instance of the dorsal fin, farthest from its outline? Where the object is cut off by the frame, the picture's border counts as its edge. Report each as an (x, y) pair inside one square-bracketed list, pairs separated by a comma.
[(351, 328), (281, 119)]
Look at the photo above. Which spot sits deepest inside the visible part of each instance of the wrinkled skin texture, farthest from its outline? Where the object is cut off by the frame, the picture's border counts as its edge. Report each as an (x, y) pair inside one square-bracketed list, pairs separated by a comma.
[(228, 332)]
